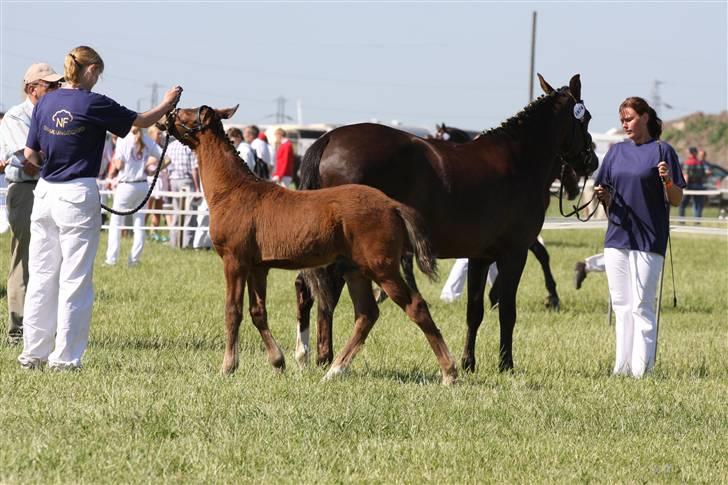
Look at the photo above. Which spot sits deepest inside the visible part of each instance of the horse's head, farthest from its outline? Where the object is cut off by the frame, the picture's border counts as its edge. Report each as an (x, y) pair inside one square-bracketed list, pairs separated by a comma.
[(575, 142), (185, 123)]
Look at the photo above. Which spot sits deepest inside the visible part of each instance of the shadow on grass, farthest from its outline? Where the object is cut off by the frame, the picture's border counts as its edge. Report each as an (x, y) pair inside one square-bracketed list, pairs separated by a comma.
[(158, 343)]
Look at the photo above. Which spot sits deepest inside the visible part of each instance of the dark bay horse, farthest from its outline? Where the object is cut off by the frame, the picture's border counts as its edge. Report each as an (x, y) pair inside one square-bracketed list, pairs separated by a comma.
[(571, 185), (256, 225), (484, 200)]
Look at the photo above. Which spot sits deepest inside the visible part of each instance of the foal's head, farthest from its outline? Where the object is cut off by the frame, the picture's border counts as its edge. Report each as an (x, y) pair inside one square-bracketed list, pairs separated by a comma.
[(576, 147), (186, 123)]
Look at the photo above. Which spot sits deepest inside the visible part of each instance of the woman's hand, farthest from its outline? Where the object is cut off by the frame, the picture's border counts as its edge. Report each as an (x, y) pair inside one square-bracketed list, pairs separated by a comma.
[(603, 195), (663, 170), (172, 96)]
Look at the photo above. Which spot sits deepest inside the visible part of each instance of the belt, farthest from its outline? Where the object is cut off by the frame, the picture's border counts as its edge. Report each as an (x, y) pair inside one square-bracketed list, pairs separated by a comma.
[(132, 181), (22, 181)]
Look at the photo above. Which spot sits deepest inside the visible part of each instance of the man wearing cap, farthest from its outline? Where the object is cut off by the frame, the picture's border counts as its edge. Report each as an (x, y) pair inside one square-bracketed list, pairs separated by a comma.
[(22, 175)]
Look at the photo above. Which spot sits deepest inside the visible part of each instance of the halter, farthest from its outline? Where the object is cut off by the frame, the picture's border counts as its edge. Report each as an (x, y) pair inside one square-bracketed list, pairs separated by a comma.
[(196, 128)]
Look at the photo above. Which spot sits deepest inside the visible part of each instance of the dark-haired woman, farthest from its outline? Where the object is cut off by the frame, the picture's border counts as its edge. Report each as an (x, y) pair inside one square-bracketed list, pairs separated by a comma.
[(635, 182), (69, 127)]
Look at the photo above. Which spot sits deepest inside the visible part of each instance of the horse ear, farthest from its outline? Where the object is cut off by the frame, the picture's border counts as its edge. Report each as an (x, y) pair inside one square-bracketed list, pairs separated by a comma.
[(544, 85), (575, 87), (227, 113)]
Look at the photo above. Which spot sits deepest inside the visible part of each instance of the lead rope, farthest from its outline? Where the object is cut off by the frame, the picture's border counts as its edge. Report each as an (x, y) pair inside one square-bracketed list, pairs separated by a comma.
[(151, 187)]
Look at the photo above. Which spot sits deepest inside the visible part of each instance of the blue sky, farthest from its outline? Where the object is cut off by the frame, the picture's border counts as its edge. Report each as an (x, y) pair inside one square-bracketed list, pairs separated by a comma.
[(464, 63)]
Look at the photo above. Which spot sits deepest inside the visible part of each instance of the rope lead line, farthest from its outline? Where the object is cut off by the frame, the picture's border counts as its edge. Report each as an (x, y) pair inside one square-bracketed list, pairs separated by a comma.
[(151, 186)]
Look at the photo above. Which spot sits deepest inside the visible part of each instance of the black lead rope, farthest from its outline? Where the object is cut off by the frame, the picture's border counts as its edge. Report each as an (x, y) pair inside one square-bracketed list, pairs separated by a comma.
[(669, 239), (151, 187)]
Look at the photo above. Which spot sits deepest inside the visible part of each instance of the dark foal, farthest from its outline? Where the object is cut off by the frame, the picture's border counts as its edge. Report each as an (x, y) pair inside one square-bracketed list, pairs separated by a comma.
[(256, 225), (484, 200)]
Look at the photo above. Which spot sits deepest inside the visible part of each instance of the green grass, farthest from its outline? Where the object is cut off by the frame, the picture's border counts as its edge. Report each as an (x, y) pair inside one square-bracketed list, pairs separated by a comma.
[(150, 405)]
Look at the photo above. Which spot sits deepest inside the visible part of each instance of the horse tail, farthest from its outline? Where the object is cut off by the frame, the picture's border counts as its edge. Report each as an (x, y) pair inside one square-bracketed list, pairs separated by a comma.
[(310, 176), (320, 282), (419, 240)]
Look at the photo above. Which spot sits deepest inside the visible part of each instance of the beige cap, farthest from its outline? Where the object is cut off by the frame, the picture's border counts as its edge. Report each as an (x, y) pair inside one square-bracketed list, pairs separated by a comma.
[(41, 71)]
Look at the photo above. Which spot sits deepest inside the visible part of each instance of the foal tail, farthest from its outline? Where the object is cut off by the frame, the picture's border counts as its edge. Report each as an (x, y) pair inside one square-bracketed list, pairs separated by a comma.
[(310, 176), (419, 240)]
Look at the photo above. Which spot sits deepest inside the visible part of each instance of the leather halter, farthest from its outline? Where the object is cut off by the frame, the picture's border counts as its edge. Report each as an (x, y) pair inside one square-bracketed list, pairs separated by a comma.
[(197, 127)]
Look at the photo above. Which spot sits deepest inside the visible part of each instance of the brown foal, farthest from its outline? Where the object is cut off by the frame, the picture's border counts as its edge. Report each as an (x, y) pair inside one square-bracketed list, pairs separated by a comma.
[(256, 225)]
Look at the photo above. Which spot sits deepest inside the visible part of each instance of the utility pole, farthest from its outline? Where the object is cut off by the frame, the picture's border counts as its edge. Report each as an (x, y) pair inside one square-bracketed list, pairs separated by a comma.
[(281, 116), (155, 94), (533, 56), (656, 98)]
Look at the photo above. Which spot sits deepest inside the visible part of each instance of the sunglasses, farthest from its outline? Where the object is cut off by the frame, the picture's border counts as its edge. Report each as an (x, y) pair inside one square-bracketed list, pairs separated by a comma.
[(47, 85)]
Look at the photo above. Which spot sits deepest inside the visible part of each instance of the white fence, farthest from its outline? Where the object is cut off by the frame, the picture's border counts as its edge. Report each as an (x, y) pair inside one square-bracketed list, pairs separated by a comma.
[(704, 225)]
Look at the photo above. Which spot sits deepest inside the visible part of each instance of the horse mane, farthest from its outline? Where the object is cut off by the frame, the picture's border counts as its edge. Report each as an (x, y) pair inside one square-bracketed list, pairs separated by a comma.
[(512, 124)]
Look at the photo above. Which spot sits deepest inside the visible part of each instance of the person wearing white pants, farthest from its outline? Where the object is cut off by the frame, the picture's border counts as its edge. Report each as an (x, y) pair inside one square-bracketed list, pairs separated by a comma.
[(633, 278), (68, 127), (635, 182), (453, 287), (135, 155)]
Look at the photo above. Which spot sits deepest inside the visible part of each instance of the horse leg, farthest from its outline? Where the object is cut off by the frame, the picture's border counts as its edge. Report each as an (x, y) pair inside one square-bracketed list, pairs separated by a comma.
[(334, 281), (407, 263), (235, 276), (477, 275), (416, 308), (539, 250), (366, 313), (304, 303), (257, 286), (511, 268)]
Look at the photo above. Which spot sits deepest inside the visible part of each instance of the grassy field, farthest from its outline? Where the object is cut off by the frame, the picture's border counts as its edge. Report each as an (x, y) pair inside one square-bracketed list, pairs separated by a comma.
[(150, 406)]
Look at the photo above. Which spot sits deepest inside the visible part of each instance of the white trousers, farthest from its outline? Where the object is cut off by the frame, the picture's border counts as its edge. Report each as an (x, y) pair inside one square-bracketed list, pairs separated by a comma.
[(127, 196), (202, 236), (64, 227), (633, 278), (453, 287)]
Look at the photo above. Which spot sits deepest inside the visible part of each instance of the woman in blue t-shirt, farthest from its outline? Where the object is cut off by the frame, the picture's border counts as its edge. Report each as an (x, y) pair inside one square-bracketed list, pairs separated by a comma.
[(66, 138), (637, 179)]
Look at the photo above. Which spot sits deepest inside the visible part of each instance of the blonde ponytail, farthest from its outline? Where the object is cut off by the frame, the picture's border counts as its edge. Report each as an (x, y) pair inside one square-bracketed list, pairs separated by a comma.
[(77, 60)]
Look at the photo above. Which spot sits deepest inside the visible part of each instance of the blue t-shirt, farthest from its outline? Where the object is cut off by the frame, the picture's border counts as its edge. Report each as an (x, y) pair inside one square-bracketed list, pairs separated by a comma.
[(69, 126), (638, 216)]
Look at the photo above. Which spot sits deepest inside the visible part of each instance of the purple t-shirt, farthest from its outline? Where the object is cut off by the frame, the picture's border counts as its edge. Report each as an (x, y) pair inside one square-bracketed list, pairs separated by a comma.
[(69, 126), (638, 216)]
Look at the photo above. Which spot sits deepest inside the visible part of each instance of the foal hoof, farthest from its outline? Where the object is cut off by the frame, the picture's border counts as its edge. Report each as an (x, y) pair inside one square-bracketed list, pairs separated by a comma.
[(334, 373), (450, 378), (278, 363)]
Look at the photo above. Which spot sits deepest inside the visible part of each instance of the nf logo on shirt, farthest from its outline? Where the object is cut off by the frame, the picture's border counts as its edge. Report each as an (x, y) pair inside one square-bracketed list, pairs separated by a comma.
[(62, 117)]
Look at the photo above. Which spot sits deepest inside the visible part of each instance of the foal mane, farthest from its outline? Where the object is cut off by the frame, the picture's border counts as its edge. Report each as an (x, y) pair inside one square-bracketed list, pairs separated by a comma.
[(512, 125)]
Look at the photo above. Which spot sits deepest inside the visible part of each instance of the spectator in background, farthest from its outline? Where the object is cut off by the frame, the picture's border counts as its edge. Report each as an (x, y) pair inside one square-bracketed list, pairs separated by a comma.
[(134, 156), (260, 147), (285, 161), (156, 201), (183, 176), (22, 176), (694, 170), (246, 153)]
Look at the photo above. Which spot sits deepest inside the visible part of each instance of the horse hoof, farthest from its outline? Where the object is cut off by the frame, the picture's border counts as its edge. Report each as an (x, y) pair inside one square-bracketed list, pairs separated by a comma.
[(505, 366), (227, 370), (468, 364), (302, 358), (450, 378), (333, 373), (278, 363), (324, 360), (552, 303)]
